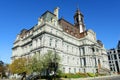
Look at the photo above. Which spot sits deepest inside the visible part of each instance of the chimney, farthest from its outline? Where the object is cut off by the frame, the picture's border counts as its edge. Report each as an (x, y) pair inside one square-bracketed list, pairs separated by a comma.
[(56, 12)]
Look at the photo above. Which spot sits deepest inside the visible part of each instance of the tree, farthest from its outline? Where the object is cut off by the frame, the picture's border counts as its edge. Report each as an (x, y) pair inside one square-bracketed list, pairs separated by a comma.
[(41, 62), (2, 69), (38, 63), (1, 66), (50, 59), (35, 64), (18, 66)]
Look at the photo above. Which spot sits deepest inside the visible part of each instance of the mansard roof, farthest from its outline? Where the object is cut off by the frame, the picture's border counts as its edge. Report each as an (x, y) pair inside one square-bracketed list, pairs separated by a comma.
[(47, 13), (71, 29), (25, 31), (66, 25), (100, 43)]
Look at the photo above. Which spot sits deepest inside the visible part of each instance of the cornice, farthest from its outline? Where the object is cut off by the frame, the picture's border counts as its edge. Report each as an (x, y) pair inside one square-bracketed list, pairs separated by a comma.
[(26, 43)]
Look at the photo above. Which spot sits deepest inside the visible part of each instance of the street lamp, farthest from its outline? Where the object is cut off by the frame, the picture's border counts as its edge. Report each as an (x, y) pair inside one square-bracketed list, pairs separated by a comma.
[(55, 64)]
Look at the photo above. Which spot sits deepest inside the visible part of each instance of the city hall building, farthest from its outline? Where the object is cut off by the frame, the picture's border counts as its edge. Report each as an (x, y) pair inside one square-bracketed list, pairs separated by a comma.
[(77, 46)]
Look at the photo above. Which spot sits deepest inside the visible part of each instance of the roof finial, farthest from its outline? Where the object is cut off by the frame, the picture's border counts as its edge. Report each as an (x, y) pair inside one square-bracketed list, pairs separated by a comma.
[(56, 11), (78, 9), (77, 6)]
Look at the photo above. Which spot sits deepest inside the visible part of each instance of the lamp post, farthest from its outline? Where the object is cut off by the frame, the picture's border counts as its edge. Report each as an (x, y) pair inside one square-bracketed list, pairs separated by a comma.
[(55, 66)]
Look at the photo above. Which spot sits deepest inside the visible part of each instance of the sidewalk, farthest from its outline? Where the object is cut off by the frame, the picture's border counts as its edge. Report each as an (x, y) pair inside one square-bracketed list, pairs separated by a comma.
[(90, 78)]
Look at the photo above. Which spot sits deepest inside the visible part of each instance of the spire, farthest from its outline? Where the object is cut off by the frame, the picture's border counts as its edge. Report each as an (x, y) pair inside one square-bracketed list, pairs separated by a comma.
[(78, 20), (78, 6)]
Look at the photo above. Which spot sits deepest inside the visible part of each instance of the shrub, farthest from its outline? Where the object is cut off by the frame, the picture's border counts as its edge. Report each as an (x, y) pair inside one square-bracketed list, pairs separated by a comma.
[(91, 74), (70, 75), (82, 74)]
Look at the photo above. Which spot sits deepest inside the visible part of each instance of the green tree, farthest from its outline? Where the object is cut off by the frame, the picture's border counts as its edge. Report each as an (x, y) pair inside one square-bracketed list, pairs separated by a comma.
[(49, 58), (40, 62), (35, 64), (18, 66), (2, 69), (1, 66)]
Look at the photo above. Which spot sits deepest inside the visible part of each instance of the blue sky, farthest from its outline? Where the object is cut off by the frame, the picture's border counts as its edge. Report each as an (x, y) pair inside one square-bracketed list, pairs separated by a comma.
[(103, 16)]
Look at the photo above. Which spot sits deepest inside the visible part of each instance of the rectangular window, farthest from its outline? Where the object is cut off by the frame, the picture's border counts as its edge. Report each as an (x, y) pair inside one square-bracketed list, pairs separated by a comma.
[(115, 56), (77, 61), (95, 62), (68, 59), (81, 62), (109, 57), (83, 50), (51, 30), (84, 61), (80, 51), (97, 49), (93, 50), (111, 69), (56, 32), (50, 44), (67, 48), (74, 70), (118, 51), (119, 55)]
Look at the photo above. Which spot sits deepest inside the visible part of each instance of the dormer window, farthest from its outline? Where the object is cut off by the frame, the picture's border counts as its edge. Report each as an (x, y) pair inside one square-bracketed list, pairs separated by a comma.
[(71, 32), (67, 30), (76, 35)]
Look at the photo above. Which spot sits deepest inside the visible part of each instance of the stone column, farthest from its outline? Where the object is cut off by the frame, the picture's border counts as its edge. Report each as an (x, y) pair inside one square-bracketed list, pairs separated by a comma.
[(38, 42)]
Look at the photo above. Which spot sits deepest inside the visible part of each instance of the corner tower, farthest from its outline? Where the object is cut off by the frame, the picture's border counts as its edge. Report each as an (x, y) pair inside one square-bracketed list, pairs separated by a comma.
[(79, 21), (118, 46)]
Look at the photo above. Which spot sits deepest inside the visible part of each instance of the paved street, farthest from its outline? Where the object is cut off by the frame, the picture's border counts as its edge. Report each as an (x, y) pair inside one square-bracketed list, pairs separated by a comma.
[(115, 77), (106, 78)]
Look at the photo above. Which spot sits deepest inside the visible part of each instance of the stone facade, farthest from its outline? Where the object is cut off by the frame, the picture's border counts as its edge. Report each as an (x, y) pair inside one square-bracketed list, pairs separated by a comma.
[(114, 59), (78, 48)]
